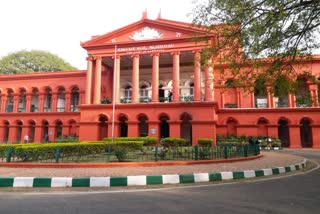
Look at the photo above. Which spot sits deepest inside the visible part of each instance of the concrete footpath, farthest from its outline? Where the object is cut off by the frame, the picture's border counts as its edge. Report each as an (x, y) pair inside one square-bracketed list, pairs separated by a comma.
[(270, 163)]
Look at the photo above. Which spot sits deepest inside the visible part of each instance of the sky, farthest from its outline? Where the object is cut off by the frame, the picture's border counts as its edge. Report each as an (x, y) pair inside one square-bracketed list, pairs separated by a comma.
[(58, 26)]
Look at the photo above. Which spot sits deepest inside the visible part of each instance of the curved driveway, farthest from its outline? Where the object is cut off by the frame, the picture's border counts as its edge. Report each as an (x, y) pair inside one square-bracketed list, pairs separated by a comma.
[(293, 194)]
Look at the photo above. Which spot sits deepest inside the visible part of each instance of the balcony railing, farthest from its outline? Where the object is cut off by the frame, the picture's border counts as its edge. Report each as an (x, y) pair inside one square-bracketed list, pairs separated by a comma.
[(61, 109), (47, 109)]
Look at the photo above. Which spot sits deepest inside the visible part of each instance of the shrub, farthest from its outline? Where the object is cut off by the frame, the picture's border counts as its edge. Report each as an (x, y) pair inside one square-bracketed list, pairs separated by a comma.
[(67, 139), (205, 142), (147, 141), (170, 141)]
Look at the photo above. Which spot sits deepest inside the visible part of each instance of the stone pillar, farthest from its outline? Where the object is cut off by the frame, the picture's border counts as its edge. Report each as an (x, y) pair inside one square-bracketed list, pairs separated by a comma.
[(68, 101), (269, 97), (41, 102), (3, 103), (222, 99), (37, 134), (13, 133), (28, 101), (155, 78), (97, 80), (290, 101), (294, 133), (133, 129), (54, 97), (176, 77), (197, 76), (135, 79), (209, 81), (117, 82), (88, 81), (15, 102), (175, 129)]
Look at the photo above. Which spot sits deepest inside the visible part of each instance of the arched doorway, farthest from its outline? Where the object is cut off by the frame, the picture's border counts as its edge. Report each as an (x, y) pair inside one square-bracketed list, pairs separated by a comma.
[(72, 127), (6, 131), (103, 127), (58, 129), (143, 126), (123, 126), (32, 130), (305, 133), (75, 99), (231, 126), (164, 126), (45, 131), (19, 131), (186, 128), (262, 127), (283, 132)]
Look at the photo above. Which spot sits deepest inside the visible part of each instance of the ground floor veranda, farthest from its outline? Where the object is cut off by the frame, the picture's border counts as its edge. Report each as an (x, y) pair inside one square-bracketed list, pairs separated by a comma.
[(296, 127)]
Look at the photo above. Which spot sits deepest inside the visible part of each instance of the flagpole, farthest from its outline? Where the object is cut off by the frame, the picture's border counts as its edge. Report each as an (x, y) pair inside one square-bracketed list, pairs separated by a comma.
[(114, 89)]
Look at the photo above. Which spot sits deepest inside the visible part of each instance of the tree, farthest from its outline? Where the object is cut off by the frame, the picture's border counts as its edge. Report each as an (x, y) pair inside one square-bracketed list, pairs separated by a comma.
[(32, 61), (255, 34)]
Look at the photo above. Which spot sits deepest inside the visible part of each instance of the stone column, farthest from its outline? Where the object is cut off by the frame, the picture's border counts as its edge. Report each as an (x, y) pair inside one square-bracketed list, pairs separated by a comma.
[(97, 80), (67, 101), (3, 103), (135, 79), (176, 77), (28, 101), (117, 82), (197, 76), (222, 99), (294, 133), (155, 78), (15, 102), (54, 97), (209, 81), (89, 81), (41, 102)]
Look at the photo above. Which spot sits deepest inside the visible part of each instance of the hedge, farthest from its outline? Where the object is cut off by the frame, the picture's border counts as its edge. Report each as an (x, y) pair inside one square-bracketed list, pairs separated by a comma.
[(206, 142), (147, 141), (170, 141)]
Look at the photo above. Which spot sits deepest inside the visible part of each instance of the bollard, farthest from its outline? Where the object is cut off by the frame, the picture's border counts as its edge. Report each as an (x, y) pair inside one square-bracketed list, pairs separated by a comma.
[(156, 153), (108, 153), (9, 154), (225, 148), (57, 156), (196, 152)]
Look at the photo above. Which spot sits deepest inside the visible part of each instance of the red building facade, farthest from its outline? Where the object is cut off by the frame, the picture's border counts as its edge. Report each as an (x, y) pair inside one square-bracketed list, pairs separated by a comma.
[(151, 70)]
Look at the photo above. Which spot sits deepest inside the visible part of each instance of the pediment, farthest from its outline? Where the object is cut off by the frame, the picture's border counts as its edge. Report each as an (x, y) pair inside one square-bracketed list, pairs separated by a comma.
[(145, 30)]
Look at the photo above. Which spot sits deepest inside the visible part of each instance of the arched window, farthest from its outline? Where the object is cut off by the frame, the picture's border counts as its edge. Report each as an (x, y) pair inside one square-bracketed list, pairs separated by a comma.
[(164, 126), (144, 97), (303, 98), (45, 131), (19, 131), (61, 101), (34, 100), (231, 126), (58, 129), (32, 130), (127, 94), (75, 100), (143, 126), (123, 126), (305, 133), (103, 127), (47, 100), (6, 131), (283, 132), (9, 106), (186, 128), (22, 100), (260, 93)]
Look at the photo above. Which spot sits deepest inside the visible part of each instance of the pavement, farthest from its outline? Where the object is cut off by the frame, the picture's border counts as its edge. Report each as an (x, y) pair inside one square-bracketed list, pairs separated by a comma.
[(271, 162)]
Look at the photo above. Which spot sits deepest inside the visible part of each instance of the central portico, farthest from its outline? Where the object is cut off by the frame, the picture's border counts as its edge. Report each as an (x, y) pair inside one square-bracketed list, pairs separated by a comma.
[(143, 62)]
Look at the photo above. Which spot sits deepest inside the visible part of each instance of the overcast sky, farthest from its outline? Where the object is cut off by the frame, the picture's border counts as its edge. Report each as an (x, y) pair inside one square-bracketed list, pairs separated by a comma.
[(58, 26)]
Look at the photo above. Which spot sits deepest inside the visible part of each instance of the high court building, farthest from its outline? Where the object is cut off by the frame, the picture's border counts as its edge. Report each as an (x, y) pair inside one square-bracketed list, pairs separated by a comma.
[(145, 79)]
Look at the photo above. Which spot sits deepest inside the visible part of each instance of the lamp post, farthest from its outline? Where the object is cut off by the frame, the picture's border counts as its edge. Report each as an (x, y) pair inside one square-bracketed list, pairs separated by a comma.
[(114, 89)]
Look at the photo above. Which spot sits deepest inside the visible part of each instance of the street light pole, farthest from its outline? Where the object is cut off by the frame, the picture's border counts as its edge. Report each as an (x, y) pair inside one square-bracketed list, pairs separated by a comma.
[(114, 89)]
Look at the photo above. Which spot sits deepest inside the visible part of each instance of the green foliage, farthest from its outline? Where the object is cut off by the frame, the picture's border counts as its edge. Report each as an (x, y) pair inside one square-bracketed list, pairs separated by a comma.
[(106, 100), (205, 142), (147, 141), (173, 142), (66, 139), (32, 61), (260, 37)]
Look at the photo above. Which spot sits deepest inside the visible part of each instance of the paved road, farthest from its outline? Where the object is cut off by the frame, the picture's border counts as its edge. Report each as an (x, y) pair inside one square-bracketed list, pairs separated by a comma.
[(295, 194)]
